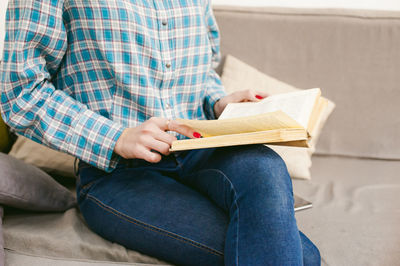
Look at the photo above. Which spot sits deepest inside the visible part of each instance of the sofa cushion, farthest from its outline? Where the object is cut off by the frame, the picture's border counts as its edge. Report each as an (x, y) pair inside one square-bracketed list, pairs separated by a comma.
[(27, 187), (1, 237), (352, 55), (14, 258), (355, 201), (64, 235), (51, 161), (355, 215), (237, 75)]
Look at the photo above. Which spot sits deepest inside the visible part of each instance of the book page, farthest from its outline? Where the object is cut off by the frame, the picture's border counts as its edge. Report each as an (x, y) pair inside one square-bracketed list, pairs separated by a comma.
[(261, 122), (298, 105)]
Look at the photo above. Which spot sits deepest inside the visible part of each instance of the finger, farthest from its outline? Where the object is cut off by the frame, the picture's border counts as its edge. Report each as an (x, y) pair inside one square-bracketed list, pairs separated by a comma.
[(251, 96), (164, 137), (242, 96), (161, 122), (157, 145), (147, 155), (261, 95), (183, 129), (152, 157)]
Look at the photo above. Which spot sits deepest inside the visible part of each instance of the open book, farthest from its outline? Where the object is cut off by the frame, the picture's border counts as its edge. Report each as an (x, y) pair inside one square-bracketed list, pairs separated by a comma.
[(284, 119)]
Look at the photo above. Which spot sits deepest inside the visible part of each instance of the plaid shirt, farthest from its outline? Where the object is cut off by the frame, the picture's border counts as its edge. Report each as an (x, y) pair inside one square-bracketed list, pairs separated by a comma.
[(76, 73)]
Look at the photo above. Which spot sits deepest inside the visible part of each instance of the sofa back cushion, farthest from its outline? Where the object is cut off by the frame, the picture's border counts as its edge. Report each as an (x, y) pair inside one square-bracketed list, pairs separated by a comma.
[(352, 55)]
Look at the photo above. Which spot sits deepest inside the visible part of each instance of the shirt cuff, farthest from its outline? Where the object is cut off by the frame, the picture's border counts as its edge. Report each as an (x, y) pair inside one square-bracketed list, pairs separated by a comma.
[(209, 102), (93, 140)]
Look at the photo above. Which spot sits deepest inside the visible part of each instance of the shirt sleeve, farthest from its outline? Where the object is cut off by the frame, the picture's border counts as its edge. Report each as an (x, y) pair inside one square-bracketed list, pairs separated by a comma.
[(35, 44), (215, 89)]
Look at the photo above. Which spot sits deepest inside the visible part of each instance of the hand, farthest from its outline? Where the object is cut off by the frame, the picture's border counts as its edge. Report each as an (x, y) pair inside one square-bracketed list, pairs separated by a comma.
[(141, 141), (236, 97)]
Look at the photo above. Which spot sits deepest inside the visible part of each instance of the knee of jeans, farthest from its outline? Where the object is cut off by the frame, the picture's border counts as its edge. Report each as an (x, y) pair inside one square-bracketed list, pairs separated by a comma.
[(311, 254), (312, 258), (265, 169), (262, 177)]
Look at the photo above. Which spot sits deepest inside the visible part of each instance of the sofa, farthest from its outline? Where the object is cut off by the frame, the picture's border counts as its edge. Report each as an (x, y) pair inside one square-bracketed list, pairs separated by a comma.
[(354, 57)]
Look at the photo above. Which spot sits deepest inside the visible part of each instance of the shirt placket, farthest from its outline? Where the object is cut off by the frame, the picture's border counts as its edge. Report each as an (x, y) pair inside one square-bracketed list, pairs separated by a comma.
[(166, 64)]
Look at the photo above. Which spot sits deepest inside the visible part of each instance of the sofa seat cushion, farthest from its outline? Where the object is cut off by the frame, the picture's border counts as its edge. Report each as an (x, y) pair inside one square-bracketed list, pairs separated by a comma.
[(355, 216), (1, 237), (63, 235), (354, 219), (17, 259)]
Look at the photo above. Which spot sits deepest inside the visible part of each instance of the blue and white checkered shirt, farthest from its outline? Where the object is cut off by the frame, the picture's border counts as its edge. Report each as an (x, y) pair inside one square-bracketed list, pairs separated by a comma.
[(76, 73)]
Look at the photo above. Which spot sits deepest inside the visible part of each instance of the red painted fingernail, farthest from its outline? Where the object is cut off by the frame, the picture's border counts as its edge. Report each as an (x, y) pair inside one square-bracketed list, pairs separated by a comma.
[(196, 135), (259, 97)]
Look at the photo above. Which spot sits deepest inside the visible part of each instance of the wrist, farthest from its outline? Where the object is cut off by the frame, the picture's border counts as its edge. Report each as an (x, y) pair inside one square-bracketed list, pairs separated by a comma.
[(119, 144)]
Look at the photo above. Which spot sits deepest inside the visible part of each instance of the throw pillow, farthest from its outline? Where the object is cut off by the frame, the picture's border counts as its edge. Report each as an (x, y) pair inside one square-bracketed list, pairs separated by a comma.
[(237, 75), (51, 161), (27, 187)]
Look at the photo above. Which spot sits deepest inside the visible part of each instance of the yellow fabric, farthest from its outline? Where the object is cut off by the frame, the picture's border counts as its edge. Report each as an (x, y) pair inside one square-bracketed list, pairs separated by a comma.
[(4, 137)]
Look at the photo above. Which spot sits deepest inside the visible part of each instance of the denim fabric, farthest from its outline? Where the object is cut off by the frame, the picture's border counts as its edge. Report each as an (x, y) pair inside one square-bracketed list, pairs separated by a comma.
[(231, 206)]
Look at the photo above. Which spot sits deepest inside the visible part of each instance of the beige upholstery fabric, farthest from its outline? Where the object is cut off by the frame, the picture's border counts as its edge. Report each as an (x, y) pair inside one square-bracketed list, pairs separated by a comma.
[(354, 219), (17, 259), (353, 55), (237, 75), (51, 161), (1, 237), (355, 216), (64, 235)]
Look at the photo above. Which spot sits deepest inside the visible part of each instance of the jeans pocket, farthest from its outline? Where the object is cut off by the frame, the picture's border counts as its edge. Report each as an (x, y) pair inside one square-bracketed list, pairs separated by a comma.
[(86, 179)]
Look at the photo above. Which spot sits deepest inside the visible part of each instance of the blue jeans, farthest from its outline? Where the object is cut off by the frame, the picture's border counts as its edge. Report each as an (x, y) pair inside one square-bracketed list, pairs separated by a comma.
[(231, 206)]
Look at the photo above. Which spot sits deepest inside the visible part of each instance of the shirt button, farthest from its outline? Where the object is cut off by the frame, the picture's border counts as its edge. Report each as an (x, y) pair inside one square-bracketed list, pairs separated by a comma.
[(168, 105), (168, 65), (164, 23)]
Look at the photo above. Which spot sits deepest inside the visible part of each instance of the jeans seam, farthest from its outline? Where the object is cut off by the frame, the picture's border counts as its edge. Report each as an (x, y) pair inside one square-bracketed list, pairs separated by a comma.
[(237, 206), (153, 228), (84, 188)]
